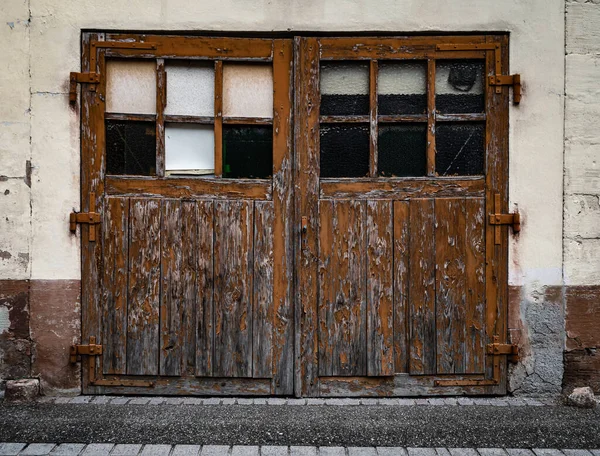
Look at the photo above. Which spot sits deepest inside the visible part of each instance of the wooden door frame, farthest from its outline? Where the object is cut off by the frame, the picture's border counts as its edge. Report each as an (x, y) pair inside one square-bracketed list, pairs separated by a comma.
[(309, 51), (281, 191)]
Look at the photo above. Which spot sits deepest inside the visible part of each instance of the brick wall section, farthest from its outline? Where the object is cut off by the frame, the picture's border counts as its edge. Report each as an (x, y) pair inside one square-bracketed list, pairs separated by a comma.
[(582, 194)]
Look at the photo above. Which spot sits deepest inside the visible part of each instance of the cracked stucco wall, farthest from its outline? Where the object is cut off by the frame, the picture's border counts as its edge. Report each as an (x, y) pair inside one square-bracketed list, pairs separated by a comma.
[(40, 40)]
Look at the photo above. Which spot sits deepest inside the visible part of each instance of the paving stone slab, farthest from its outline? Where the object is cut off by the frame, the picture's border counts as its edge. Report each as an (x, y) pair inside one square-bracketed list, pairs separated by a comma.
[(260, 401), (547, 452), (119, 400), (332, 451), (362, 451), (62, 400), (244, 450), (491, 451), (193, 401), (519, 452), (274, 450), (229, 401), (98, 449), (139, 401), (215, 450), (442, 452), (421, 452), (465, 401), (463, 452), (391, 451), (568, 452), (186, 450), (101, 400), (405, 402), (38, 449), (276, 401), (303, 451), (213, 401), (11, 449), (315, 401), (369, 401), (68, 449), (156, 450), (81, 400), (174, 400), (157, 401), (128, 449), (296, 402)]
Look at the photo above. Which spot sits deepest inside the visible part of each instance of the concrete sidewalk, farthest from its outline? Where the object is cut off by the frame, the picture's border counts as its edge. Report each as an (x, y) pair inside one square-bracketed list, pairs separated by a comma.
[(424, 423)]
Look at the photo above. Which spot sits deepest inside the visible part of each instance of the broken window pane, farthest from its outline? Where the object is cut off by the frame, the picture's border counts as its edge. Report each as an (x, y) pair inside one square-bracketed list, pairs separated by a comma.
[(344, 88), (402, 150), (189, 149), (459, 86), (247, 151), (344, 150), (402, 88), (247, 90), (130, 148), (460, 149), (131, 86), (190, 89)]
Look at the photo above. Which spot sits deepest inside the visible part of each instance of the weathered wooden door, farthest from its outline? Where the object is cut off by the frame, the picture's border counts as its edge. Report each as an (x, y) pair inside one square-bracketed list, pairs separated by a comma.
[(186, 155), (401, 155)]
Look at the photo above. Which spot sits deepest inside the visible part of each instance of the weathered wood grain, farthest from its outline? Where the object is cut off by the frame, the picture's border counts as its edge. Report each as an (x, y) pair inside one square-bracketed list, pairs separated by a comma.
[(262, 303), (431, 117), (205, 315), (450, 285), (233, 288), (144, 287), (342, 288), (401, 220), (380, 306), (475, 284), (189, 284), (422, 287), (161, 103), (373, 70), (115, 247)]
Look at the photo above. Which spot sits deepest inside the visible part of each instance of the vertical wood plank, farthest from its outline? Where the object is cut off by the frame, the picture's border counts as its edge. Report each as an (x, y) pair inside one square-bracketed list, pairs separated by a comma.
[(233, 288), (171, 302), (115, 229), (307, 174), (450, 284), (144, 287), (422, 287), (475, 283), (342, 284), (431, 117), (205, 297), (401, 275), (373, 118), (161, 102), (218, 127), (380, 308), (284, 220), (262, 313), (189, 283)]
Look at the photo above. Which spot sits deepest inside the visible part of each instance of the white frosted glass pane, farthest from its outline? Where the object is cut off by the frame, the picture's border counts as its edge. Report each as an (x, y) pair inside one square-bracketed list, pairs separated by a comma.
[(402, 78), (189, 147), (344, 78), (247, 90), (131, 86), (190, 89)]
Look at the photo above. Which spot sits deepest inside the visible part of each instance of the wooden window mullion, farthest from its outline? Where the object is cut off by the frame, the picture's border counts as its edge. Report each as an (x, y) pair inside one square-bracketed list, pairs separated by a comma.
[(373, 118), (161, 102), (218, 118), (431, 117)]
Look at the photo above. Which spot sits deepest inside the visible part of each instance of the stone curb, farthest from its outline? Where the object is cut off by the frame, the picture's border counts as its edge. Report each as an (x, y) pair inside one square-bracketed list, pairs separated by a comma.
[(450, 401), (110, 449)]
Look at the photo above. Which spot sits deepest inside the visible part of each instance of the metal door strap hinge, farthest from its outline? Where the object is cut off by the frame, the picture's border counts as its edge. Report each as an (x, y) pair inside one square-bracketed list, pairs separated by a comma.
[(513, 220), (91, 218), (86, 350), (511, 350), (74, 78), (512, 80)]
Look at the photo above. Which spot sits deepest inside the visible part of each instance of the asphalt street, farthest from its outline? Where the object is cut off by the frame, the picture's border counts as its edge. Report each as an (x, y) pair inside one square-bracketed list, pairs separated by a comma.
[(321, 425)]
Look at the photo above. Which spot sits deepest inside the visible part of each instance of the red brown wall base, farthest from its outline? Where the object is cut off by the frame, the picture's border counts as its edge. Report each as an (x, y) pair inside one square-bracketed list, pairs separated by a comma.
[(44, 320)]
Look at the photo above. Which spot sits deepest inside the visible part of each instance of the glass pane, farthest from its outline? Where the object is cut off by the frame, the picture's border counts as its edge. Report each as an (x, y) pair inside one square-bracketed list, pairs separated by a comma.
[(190, 89), (247, 151), (189, 149), (402, 88), (130, 148), (247, 90), (402, 150), (459, 86), (131, 86), (344, 150), (460, 149), (344, 89)]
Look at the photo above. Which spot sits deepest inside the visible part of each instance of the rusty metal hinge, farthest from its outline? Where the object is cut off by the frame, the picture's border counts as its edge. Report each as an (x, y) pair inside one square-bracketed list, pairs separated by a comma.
[(93, 350), (91, 218), (510, 350), (498, 218), (513, 80), (81, 78)]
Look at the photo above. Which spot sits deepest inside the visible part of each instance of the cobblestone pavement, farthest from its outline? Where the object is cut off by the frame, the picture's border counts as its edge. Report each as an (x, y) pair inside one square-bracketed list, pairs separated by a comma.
[(110, 449)]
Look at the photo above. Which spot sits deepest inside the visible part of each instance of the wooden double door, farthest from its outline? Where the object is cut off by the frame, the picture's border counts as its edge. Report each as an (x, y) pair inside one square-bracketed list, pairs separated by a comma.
[(354, 258)]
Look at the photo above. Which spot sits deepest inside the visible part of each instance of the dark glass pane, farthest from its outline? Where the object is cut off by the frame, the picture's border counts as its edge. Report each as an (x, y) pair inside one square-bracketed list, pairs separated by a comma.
[(130, 147), (402, 150), (460, 149), (344, 89), (459, 86), (344, 150), (247, 151), (402, 88)]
